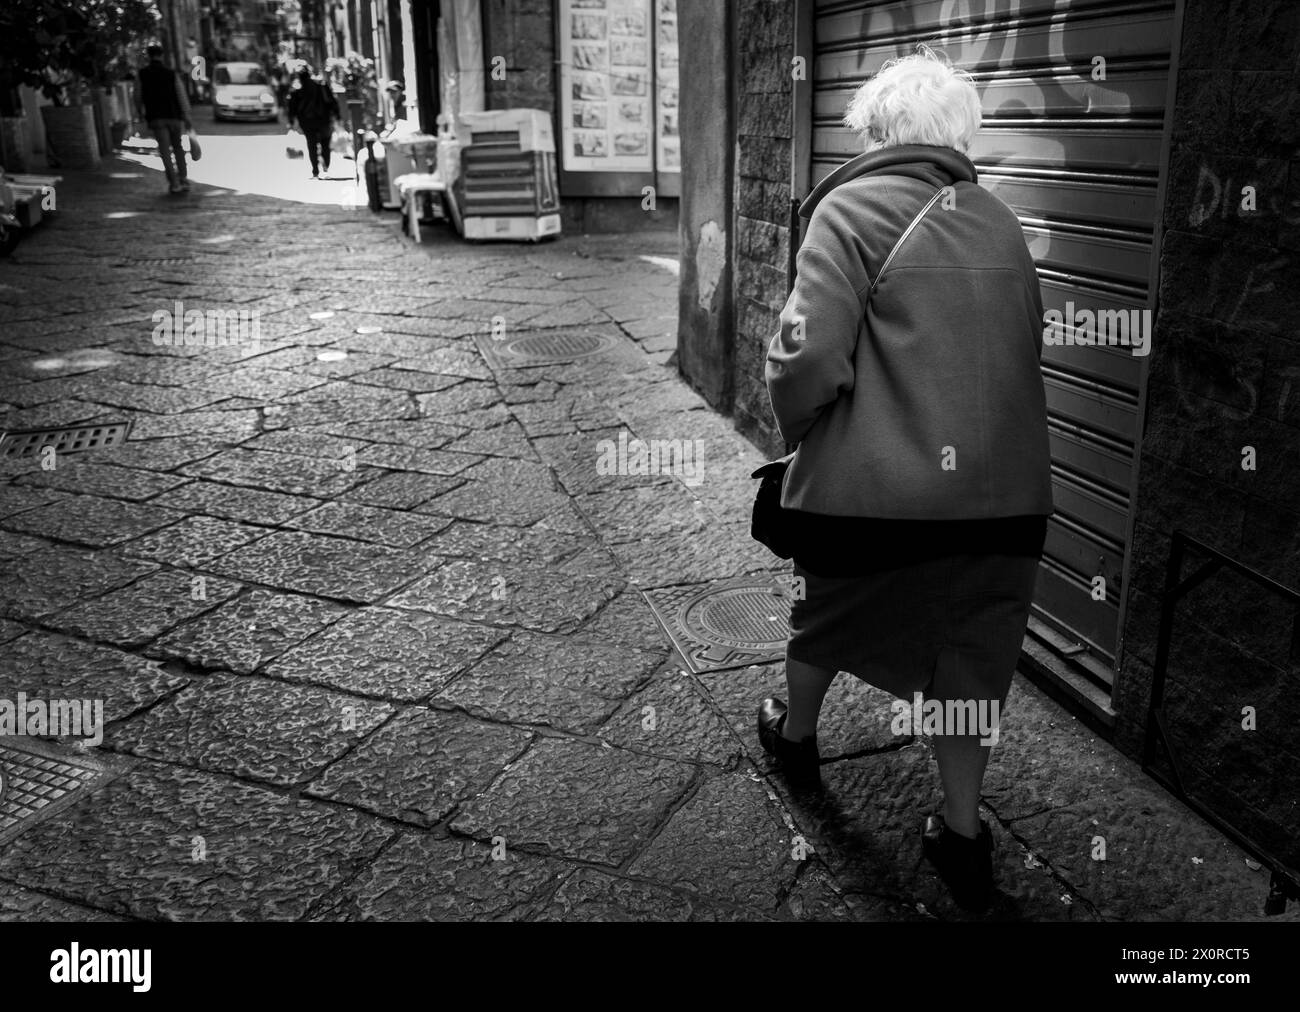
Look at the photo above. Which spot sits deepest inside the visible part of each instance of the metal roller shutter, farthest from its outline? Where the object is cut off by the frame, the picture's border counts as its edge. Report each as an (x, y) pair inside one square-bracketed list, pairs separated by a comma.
[(1078, 160)]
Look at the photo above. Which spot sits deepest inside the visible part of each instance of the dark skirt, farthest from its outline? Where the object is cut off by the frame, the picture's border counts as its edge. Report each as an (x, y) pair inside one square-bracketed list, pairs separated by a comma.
[(949, 627)]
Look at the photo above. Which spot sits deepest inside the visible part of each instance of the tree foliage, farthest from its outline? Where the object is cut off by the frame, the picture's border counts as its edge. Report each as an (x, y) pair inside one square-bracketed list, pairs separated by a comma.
[(55, 45)]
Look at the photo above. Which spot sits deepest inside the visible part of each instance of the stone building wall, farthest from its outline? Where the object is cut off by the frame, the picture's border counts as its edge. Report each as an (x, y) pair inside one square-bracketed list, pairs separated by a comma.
[(765, 47), (1224, 377)]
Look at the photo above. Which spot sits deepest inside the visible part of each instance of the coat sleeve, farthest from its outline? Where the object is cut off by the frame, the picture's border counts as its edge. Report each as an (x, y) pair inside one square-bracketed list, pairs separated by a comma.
[(810, 360)]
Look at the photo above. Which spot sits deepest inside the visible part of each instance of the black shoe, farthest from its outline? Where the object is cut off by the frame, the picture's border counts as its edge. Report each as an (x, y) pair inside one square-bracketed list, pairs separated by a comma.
[(965, 865), (800, 761)]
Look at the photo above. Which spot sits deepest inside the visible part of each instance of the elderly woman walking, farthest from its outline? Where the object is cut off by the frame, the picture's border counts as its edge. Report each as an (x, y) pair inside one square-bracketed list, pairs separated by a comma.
[(907, 371)]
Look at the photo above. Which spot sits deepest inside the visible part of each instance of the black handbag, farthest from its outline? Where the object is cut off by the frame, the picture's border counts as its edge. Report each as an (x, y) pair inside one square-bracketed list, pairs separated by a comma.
[(771, 524)]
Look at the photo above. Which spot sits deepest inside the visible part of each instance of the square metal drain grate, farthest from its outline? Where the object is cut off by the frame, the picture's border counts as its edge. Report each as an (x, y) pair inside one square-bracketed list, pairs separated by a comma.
[(725, 624), (521, 351), (69, 439), (41, 780)]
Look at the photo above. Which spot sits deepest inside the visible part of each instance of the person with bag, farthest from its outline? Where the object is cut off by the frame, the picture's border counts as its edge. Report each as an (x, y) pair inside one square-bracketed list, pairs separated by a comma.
[(314, 108), (163, 104), (906, 376)]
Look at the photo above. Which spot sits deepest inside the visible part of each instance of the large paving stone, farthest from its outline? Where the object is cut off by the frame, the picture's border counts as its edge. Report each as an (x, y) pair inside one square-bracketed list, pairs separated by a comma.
[(816, 897), (130, 849), (469, 396), (416, 458), (48, 666), (233, 502), (711, 553), (449, 362), (247, 631), (1161, 862), (228, 425), (14, 547), (88, 478), (645, 511), (426, 433), (561, 683), (10, 630), (575, 418), (25, 906), (382, 652), (673, 717), (421, 878), (401, 490), (396, 528), (536, 599), (498, 503), (153, 399), (320, 445), (535, 546), (574, 457), (132, 616), (325, 566), (1045, 758), (576, 800), (16, 499), (193, 542), (866, 827), (261, 383), (589, 896), (729, 842), (855, 717), (54, 578), (252, 728), (291, 473), (93, 521), (420, 765), (508, 440), (628, 620), (336, 411), (407, 376)]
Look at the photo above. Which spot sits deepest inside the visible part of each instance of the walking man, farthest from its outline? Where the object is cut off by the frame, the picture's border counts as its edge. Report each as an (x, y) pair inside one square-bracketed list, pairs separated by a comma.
[(165, 107), (315, 109)]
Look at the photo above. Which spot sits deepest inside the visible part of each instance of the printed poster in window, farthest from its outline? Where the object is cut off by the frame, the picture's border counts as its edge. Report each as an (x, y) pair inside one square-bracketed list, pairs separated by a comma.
[(667, 136), (607, 85)]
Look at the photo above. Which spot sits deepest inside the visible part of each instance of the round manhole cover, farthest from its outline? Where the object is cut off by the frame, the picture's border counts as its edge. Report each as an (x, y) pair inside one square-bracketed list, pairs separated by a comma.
[(537, 348), (747, 618)]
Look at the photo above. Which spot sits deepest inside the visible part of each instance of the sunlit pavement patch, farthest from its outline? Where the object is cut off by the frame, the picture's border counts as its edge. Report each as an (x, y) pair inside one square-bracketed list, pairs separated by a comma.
[(41, 781), (79, 359), (726, 624)]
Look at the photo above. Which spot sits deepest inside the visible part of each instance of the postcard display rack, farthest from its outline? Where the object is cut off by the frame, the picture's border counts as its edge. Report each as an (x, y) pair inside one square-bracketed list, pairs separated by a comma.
[(507, 188), (618, 97)]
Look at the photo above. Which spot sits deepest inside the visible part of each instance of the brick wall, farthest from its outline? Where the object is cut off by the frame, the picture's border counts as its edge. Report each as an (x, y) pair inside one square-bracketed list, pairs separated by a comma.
[(1225, 375), (763, 74)]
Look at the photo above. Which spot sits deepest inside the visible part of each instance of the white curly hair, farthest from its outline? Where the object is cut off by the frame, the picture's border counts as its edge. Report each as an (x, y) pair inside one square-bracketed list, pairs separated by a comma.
[(919, 99)]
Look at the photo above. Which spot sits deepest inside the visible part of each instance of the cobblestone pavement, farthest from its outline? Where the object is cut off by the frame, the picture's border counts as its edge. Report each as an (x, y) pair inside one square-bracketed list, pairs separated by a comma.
[(368, 625)]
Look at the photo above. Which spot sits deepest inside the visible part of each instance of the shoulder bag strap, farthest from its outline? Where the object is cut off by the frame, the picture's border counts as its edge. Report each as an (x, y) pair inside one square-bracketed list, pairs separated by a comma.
[(903, 238)]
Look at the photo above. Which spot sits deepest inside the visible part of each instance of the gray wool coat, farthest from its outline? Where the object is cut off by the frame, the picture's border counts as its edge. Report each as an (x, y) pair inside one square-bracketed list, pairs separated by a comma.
[(924, 401)]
